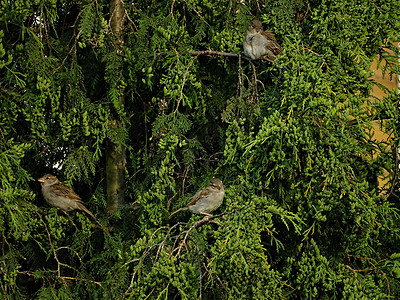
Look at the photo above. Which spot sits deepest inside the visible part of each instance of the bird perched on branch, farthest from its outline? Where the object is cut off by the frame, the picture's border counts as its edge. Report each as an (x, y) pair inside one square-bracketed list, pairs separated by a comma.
[(60, 195), (259, 43), (206, 200)]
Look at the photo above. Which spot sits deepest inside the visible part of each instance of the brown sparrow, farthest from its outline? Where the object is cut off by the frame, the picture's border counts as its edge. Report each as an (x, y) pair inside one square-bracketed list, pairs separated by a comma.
[(206, 200), (60, 195), (259, 43)]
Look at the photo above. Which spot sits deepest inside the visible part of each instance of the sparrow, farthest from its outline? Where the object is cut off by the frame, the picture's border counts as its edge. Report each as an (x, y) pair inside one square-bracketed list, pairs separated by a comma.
[(60, 195), (259, 43), (206, 200)]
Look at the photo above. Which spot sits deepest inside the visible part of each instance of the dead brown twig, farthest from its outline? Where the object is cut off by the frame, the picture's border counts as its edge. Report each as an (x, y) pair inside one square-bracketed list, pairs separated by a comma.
[(206, 220), (59, 264)]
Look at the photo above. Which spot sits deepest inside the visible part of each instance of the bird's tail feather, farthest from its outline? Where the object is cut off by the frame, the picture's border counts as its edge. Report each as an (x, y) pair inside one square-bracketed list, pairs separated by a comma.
[(175, 212), (83, 207)]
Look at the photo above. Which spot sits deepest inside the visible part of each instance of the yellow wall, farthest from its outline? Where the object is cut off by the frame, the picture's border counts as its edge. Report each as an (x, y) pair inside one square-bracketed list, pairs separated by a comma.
[(377, 92)]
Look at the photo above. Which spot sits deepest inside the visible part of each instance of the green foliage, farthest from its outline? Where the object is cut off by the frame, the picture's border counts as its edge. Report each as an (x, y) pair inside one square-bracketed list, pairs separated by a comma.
[(305, 215)]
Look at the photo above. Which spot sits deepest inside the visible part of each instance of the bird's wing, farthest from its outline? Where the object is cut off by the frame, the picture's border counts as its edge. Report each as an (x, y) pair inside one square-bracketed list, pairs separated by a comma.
[(274, 48), (269, 35), (272, 45), (63, 190), (199, 195)]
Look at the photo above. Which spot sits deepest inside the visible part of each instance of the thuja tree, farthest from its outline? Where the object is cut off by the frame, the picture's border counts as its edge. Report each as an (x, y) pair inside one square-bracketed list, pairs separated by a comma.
[(152, 99)]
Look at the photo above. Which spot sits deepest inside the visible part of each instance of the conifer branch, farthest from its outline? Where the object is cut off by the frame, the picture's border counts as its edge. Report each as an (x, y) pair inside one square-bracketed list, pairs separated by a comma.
[(183, 82), (206, 220), (206, 264), (240, 72), (210, 52), (172, 9), (74, 39), (147, 251), (396, 172), (223, 54), (352, 270), (81, 279), (200, 273), (59, 264)]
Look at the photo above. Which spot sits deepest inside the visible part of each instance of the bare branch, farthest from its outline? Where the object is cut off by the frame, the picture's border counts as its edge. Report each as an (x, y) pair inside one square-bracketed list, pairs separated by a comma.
[(81, 279), (59, 264), (183, 81), (206, 220)]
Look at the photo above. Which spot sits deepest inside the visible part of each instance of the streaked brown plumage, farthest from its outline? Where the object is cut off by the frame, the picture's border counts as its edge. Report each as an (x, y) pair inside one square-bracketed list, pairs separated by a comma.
[(60, 195), (259, 43), (206, 200)]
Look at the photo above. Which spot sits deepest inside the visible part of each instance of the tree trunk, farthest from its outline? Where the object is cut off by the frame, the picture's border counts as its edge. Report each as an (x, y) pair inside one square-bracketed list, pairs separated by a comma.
[(115, 154), (115, 175)]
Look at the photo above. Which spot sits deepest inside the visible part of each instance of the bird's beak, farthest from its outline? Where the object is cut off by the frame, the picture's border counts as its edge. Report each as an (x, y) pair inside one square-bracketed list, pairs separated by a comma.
[(41, 180)]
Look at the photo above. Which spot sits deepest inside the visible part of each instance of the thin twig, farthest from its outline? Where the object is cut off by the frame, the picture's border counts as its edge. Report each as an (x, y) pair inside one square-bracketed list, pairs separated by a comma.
[(147, 249), (258, 6), (134, 273), (218, 53), (81, 279), (206, 219), (161, 245), (172, 9), (396, 170), (170, 200), (74, 37), (194, 226), (59, 264), (352, 270), (261, 84), (185, 172), (183, 82), (208, 271), (200, 274), (240, 71), (127, 16), (212, 52), (255, 92)]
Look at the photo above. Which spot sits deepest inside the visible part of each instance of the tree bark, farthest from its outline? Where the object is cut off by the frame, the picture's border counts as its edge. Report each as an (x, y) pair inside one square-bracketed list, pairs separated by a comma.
[(117, 17), (115, 153), (115, 176)]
